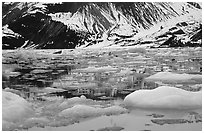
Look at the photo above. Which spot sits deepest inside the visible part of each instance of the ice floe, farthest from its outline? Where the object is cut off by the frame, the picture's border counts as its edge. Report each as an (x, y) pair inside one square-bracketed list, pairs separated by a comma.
[(83, 111), (51, 90), (14, 108), (164, 97), (173, 77)]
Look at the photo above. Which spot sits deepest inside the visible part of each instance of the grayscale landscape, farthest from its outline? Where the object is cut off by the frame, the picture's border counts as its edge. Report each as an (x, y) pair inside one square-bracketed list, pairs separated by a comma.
[(102, 66)]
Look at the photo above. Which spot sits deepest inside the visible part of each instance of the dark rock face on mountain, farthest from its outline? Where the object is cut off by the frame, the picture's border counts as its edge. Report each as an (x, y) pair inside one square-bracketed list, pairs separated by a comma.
[(178, 36), (72, 24)]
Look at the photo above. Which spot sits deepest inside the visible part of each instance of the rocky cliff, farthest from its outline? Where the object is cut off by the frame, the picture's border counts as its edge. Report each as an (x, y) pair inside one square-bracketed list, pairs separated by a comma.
[(88, 24)]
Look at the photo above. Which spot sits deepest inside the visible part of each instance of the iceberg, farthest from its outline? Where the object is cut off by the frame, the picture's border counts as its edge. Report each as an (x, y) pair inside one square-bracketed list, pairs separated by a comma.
[(173, 77), (164, 97), (84, 111)]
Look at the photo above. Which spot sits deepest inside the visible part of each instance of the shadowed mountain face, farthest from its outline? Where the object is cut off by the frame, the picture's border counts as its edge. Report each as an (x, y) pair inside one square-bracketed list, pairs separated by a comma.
[(73, 24)]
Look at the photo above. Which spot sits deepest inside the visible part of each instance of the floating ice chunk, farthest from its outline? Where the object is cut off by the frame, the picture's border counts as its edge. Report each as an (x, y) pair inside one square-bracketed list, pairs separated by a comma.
[(164, 97), (89, 111), (75, 101), (83, 97), (14, 108), (51, 90), (80, 111), (174, 77)]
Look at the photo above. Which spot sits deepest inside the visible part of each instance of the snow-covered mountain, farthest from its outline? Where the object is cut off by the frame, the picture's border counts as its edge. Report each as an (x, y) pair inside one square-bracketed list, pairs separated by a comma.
[(94, 24)]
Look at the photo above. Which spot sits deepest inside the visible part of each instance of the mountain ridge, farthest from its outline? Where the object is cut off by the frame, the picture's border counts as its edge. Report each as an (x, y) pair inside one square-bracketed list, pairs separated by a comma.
[(71, 25)]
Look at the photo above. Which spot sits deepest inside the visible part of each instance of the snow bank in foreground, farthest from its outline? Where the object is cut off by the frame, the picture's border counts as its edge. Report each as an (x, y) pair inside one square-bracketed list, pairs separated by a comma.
[(14, 108), (164, 97), (88, 111), (169, 76)]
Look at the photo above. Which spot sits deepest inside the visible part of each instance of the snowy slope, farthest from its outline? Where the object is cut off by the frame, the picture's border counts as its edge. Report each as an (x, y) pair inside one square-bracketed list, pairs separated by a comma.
[(85, 24)]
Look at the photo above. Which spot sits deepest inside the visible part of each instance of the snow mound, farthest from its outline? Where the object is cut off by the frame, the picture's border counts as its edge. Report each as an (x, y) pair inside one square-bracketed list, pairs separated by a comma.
[(164, 97), (79, 111), (83, 111), (174, 77), (14, 108)]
